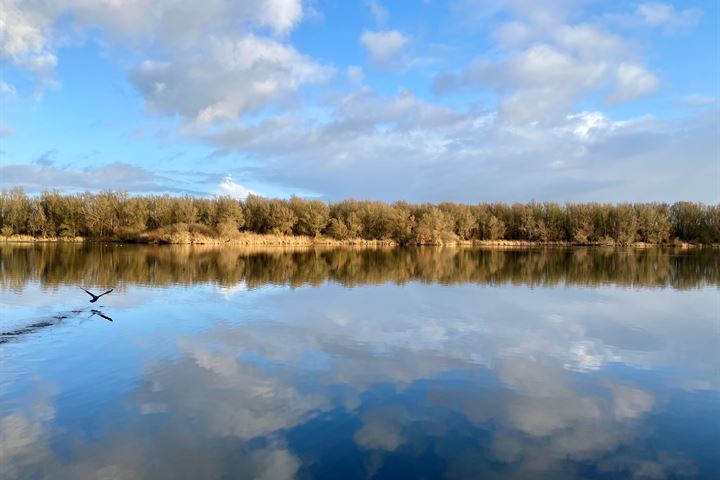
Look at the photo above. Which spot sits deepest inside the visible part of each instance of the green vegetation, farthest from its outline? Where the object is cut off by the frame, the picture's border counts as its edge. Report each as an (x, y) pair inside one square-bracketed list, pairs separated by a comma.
[(117, 215)]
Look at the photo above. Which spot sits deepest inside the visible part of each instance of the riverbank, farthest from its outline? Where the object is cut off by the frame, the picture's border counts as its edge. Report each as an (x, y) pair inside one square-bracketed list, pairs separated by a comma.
[(190, 238), (269, 240)]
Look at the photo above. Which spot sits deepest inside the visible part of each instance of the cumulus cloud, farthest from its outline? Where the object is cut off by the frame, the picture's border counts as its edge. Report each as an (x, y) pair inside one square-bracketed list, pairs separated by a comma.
[(281, 15), (368, 143), (657, 15), (543, 82), (355, 74), (24, 37), (228, 187), (401, 147), (479, 13), (590, 41), (227, 78), (229, 72), (383, 46), (177, 24), (633, 81), (26, 43), (545, 72), (29, 39)]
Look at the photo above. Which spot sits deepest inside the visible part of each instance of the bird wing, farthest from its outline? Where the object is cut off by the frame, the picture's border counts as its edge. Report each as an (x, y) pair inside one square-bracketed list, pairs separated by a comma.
[(106, 292), (87, 292)]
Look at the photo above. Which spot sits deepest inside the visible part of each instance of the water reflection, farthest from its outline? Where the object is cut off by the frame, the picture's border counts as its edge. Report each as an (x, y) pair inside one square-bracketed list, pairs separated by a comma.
[(110, 265), (56, 319), (214, 379)]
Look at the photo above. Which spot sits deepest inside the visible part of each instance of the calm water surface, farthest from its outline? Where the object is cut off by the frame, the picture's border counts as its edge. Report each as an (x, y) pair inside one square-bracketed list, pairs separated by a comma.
[(419, 363)]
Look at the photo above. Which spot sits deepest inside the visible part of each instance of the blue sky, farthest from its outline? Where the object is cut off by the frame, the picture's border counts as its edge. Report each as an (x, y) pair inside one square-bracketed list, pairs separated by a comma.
[(466, 100)]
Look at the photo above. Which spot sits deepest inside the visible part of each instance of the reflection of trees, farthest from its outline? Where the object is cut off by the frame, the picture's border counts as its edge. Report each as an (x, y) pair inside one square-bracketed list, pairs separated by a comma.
[(110, 265)]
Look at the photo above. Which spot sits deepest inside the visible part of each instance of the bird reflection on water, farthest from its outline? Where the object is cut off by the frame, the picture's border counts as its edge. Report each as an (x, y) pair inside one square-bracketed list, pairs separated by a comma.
[(54, 320), (100, 314), (57, 318)]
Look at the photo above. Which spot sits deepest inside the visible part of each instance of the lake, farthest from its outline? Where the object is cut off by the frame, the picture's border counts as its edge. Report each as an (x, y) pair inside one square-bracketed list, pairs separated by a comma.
[(224, 363)]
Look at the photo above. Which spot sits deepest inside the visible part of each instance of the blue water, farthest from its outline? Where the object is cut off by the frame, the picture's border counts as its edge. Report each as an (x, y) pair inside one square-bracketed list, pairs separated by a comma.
[(206, 379)]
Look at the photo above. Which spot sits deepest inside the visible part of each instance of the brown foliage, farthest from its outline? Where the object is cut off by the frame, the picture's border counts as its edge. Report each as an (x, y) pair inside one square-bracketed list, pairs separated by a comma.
[(118, 215)]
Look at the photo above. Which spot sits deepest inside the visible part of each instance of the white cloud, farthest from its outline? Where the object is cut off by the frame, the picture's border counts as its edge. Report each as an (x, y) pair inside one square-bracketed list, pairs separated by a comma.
[(228, 78), (228, 187), (655, 13), (548, 14), (699, 100), (383, 46), (588, 123), (633, 81), (180, 24), (355, 74), (590, 41), (544, 81), (231, 75), (548, 66), (281, 15), (512, 33), (24, 36), (28, 38), (401, 147), (662, 16), (659, 14), (378, 11)]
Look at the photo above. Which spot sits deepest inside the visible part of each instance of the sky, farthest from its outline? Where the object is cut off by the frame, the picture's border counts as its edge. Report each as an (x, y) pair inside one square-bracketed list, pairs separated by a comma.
[(460, 100)]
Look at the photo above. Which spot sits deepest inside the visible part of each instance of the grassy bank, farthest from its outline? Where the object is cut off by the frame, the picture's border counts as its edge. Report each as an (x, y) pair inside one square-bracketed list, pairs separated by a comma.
[(196, 238), (191, 237)]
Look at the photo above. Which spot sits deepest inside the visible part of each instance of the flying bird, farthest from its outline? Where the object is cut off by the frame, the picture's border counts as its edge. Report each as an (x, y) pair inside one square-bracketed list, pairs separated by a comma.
[(95, 298)]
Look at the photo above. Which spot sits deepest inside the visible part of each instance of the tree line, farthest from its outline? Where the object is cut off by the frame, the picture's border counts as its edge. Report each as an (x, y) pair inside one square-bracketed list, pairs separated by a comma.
[(118, 215), (113, 266)]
